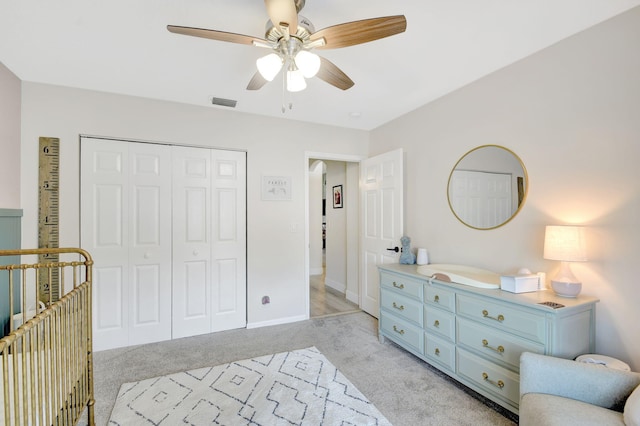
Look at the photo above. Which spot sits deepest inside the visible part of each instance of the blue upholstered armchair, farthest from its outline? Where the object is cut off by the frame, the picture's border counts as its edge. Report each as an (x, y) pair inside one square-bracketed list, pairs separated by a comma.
[(555, 391)]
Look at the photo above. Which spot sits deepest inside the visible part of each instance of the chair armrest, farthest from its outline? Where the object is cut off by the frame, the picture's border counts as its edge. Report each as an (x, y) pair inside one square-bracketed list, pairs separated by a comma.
[(593, 384)]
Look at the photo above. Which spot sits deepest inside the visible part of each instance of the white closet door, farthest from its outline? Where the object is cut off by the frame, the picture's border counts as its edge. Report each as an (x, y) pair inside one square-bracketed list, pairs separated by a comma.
[(104, 233), (229, 241), (166, 227), (209, 241), (149, 243), (125, 225), (191, 241)]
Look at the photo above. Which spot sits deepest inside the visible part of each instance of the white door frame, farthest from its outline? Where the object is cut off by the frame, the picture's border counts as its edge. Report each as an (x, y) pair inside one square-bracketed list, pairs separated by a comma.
[(319, 156)]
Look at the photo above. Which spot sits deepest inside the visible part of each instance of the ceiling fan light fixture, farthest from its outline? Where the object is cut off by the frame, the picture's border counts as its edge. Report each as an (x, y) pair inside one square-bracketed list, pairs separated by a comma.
[(308, 63), (295, 80), (269, 66)]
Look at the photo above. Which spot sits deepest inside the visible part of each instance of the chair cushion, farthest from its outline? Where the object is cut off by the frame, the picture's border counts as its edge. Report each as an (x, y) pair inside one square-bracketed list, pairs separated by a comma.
[(632, 408), (545, 410)]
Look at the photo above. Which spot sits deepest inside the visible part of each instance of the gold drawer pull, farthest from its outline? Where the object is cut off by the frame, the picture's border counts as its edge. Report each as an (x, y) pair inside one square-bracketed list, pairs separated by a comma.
[(437, 352), (436, 323), (400, 286), (499, 349), (485, 314), (398, 331), (436, 298), (400, 308), (498, 384)]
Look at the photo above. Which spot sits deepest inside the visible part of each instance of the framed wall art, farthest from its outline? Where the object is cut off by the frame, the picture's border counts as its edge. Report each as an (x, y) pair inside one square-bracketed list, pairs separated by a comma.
[(275, 188), (337, 197)]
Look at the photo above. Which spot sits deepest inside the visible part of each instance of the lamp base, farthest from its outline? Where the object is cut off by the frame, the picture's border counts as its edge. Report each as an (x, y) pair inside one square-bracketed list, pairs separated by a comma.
[(566, 289)]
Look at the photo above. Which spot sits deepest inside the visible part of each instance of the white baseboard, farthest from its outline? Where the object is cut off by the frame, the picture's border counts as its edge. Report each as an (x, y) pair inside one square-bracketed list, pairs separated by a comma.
[(316, 271), (335, 285), (278, 321)]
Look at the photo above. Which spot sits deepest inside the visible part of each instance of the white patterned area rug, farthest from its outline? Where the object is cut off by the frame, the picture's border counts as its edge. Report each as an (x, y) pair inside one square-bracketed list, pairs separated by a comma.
[(291, 388)]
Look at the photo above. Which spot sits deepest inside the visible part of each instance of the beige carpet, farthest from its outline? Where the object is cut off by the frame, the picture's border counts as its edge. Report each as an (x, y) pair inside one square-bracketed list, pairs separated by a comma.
[(300, 387), (405, 389)]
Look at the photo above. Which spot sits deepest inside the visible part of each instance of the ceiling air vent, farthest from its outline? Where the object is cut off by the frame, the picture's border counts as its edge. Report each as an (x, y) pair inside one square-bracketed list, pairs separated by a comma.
[(224, 102)]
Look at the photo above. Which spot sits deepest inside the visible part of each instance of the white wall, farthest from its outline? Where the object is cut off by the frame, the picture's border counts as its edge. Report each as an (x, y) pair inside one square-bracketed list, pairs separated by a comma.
[(336, 242), (276, 234), (315, 217), (10, 90), (572, 114)]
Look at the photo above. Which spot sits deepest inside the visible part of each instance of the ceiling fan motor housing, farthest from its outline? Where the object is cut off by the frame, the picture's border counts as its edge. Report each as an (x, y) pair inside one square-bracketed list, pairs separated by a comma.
[(305, 29)]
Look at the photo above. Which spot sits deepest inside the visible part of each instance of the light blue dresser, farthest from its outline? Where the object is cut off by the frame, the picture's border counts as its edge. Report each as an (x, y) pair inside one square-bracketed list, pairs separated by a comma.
[(476, 335), (10, 235)]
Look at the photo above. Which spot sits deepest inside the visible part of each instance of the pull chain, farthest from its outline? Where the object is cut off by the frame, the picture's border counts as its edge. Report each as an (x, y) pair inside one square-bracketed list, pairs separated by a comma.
[(284, 94)]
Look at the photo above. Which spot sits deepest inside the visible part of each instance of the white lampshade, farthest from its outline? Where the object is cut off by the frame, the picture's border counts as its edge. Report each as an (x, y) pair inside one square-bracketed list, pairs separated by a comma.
[(567, 244), (295, 81), (308, 63), (269, 66)]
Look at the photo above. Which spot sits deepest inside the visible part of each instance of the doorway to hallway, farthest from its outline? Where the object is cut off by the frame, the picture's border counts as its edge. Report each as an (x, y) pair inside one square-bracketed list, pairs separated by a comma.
[(332, 272)]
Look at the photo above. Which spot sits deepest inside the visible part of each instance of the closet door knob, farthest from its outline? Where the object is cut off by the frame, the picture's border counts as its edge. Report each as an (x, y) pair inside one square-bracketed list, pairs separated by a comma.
[(195, 252), (147, 255)]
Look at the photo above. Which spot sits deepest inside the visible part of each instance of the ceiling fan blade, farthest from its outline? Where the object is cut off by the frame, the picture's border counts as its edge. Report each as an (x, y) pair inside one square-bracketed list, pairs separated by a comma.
[(280, 11), (333, 75), (215, 35), (358, 32), (257, 81)]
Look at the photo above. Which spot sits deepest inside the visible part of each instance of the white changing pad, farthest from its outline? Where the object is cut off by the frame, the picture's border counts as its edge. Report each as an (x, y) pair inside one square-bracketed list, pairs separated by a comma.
[(461, 274)]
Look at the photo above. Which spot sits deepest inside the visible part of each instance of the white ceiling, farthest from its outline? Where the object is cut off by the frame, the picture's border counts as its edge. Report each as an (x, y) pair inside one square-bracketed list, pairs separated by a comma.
[(123, 46)]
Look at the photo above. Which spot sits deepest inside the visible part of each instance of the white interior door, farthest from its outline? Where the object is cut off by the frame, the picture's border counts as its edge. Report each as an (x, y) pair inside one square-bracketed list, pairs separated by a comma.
[(382, 201), (209, 232), (104, 233), (125, 225), (229, 240), (191, 241), (149, 243)]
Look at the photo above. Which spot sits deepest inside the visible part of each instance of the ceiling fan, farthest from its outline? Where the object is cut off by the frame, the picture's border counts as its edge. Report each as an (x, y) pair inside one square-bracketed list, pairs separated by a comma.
[(291, 37)]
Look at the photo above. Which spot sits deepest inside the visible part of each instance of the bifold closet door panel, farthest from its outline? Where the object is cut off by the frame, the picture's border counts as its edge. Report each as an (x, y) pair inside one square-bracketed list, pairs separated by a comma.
[(149, 243), (229, 240), (191, 241), (104, 233), (125, 224)]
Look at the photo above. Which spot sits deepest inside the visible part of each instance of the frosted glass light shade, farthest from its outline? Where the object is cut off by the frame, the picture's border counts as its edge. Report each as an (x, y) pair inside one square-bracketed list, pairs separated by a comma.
[(295, 81), (308, 63), (269, 66)]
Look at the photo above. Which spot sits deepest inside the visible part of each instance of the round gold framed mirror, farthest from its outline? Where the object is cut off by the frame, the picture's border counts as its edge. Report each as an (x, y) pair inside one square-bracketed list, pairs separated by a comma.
[(487, 187)]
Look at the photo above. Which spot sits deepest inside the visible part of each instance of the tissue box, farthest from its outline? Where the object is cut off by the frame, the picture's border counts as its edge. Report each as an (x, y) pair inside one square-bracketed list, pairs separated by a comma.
[(519, 283)]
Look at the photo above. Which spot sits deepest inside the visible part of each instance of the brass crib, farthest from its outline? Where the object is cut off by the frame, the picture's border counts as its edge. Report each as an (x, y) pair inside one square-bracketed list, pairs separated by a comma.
[(46, 365)]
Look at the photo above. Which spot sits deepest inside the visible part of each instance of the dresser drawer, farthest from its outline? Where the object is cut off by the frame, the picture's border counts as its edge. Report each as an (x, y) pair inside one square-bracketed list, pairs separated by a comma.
[(495, 344), (402, 331), (403, 285), (440, 351), (503, 317), (437, 296), (488, 376), (440, 322), (402, 306)]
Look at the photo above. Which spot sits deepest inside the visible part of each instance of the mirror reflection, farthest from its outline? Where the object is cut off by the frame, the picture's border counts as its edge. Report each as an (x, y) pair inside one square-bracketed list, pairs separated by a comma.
[(487, 187)]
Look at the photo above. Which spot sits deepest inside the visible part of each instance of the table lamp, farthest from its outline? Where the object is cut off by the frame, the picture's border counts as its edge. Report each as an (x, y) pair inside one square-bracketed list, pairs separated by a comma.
[(566, 244)]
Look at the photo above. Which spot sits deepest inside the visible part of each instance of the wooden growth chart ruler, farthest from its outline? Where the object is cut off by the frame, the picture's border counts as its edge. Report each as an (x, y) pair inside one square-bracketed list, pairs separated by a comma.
[(48, 216)]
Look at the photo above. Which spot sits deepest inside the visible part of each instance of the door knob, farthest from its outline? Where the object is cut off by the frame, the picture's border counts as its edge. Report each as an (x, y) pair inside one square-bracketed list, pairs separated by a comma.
[(396, 249)]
